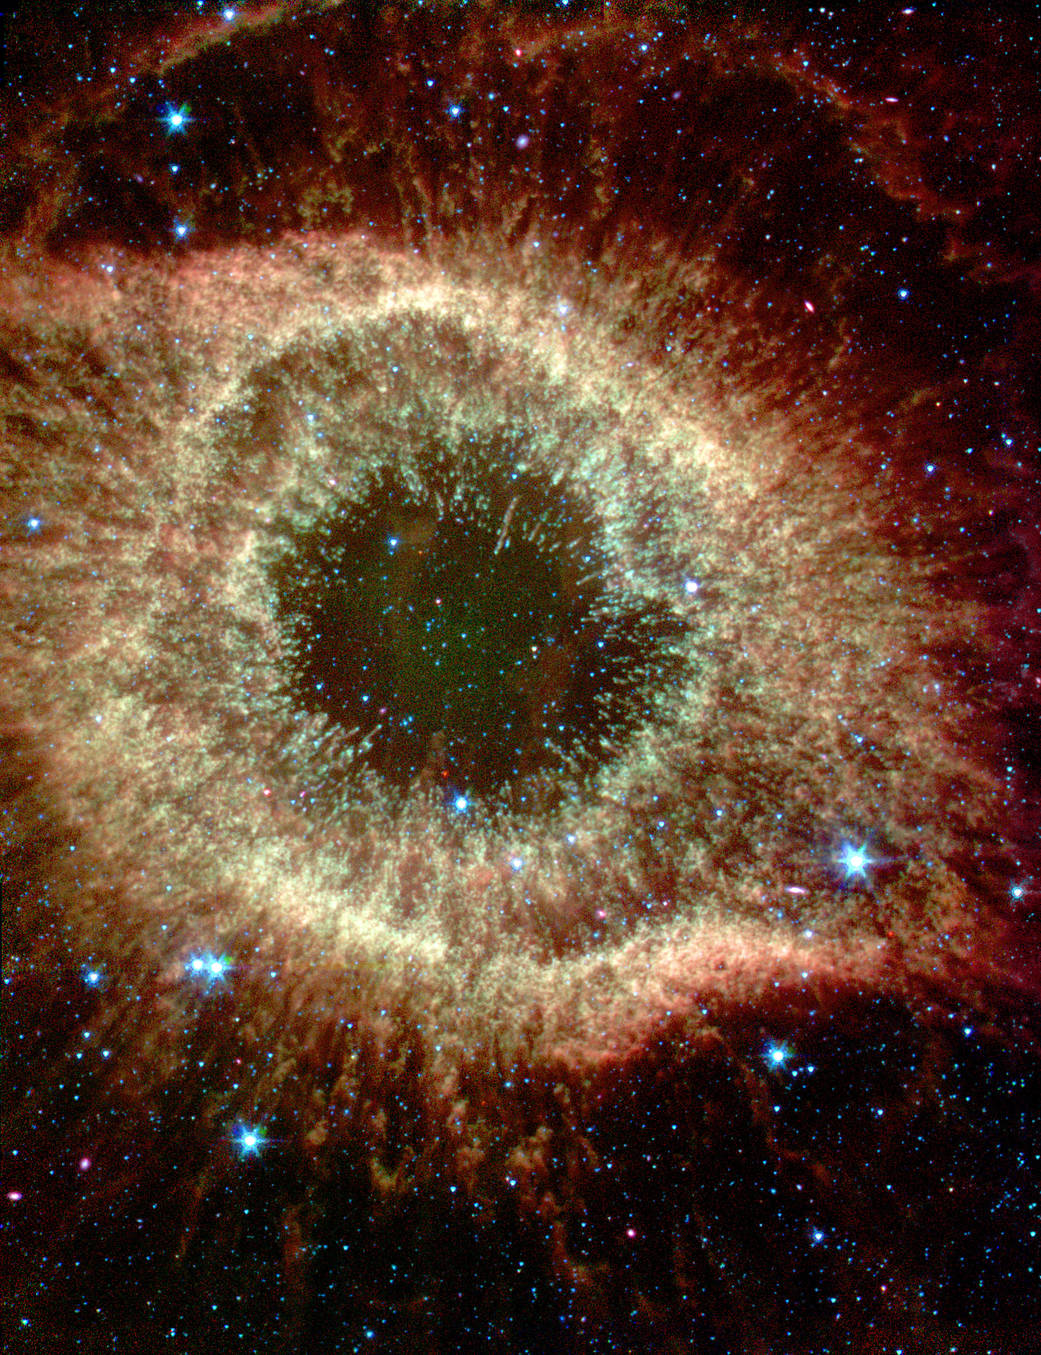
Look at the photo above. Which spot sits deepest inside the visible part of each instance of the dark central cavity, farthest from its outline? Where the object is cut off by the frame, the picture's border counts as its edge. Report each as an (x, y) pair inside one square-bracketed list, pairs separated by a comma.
[(464, 633)]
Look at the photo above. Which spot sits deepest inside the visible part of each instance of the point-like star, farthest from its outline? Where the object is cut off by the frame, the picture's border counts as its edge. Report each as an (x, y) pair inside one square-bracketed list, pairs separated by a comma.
[(855, 861), (176, 119), (208, 966), (249, 1139)]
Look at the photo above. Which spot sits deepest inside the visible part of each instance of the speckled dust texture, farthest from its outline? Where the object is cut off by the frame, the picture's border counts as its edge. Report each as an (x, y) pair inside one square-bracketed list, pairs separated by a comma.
[(717, 1035)]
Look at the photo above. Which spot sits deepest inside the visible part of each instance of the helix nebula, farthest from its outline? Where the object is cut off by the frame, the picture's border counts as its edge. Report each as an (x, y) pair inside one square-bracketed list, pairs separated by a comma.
[(520, 616)]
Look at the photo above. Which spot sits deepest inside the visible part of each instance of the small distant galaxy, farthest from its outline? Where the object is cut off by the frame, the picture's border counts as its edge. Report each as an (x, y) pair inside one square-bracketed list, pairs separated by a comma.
[(520, 620)]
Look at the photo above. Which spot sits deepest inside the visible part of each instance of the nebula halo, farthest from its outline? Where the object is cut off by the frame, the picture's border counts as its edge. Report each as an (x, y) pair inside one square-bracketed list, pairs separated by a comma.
[(711, 1033), (802, 639)]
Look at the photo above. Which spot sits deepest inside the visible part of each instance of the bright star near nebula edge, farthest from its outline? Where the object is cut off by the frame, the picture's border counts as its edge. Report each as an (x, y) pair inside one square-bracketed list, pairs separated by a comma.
[(519, 615), (177, 119), (249, 1140), (855, 860)]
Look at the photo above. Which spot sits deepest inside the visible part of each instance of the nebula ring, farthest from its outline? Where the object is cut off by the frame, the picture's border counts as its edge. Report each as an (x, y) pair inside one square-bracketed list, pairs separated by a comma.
[(208, 617), (586, 256)]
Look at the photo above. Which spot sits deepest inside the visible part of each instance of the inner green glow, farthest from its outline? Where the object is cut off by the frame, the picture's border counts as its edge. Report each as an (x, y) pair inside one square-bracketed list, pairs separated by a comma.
[(459, 625)]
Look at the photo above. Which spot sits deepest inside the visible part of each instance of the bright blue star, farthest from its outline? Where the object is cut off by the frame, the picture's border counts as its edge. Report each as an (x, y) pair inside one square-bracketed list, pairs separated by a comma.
[(180, 229), (210, 967), (777, 1054), (176, 119), (855, 861), (92, 977), (454, 110), (33, 524), (460, 804), (249, 1139)]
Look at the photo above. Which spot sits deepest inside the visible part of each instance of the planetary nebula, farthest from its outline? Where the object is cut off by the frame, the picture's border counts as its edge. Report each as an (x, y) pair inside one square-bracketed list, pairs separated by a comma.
[(519, 545)]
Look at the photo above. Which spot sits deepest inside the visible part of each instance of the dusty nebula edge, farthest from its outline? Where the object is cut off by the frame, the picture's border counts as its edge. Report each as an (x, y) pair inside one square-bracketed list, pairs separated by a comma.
[(720, 1036)]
